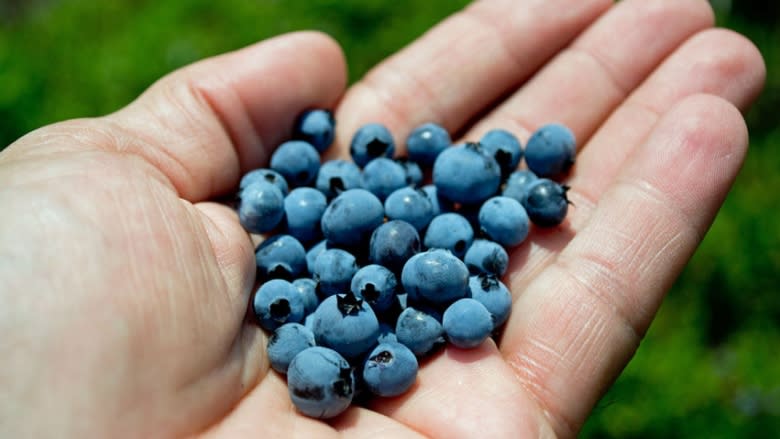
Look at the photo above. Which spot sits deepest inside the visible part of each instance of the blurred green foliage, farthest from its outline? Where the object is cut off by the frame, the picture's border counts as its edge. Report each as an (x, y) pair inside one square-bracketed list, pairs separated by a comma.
[(708, 366)]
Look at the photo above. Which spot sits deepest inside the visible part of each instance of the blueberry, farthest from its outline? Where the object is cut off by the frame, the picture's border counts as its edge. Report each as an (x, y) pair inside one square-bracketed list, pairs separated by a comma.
[(260, 207), (277, 302), (392, 244), (439, 204), (466, 174), (382, 176), (280, 257), (386, 334), (317, 127), (471, 213), (550, 150), (376, 285), (346, 324), (313, 252), (321, 382), (337, 176), (286, 342), (307, 288), (485, 256), (504, 147), (488, 290), (351, 217), (517, 183), (504, 220), (390, 370), (467, 323), (308, 322), (410, 205), (426, 142), (546, 202), (435, 276), (297, 161), (333, 271), (449, 231), (419, 331), (371, 141), (403, 301), (303, 209), (413, 172), (267, 175)]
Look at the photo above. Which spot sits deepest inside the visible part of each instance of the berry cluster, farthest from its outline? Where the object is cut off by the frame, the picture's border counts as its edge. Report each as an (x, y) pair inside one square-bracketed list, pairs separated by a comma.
[(370, 270)]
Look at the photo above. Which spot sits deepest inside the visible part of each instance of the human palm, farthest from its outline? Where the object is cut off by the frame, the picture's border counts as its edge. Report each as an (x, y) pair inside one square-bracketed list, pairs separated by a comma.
[(126, 290)]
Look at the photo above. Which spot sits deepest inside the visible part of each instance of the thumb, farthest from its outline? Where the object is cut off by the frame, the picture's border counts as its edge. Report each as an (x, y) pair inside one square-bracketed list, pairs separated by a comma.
[(207, 123)]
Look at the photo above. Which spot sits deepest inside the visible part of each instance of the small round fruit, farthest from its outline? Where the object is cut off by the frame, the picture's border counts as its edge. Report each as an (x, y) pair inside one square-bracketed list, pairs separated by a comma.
[(546, 202), (321, 382)]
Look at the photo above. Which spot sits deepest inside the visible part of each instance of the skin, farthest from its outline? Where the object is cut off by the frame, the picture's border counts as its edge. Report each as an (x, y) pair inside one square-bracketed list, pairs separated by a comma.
[(125, 290)]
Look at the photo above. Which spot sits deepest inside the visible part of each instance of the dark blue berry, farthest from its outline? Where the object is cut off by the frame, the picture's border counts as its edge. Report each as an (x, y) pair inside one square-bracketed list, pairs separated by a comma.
[(435, 276), (419, 331), (267, 175), (376, 285), (277, 302), (321, 382), (504, 147), (410, 205), (466, 174), (467, 323), (317, 127), (307, 288), (297, 161), (517, 183), (280, 257), (550, 150), (371, 141), (313, 252), (392, 244), (303, 209), (333, 271), (504, 220), (382, 176), (260, 207), (351, 218), (390, 370), (546, 202), (485, 256), (414, 174), (439, 204), (337, 176), (426, 142), (488, 290), (346, 324), (450, 231), (286, 342), (386, 333)]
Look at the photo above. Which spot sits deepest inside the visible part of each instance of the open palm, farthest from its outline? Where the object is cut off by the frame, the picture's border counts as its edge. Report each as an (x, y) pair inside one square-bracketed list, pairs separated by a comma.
[(125, 290)]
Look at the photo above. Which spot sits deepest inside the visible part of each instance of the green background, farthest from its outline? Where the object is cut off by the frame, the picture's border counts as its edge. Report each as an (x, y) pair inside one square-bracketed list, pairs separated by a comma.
[(708, 367)]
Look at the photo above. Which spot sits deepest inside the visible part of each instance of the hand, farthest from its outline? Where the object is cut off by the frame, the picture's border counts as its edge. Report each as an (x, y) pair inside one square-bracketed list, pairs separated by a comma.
[(125, 290)]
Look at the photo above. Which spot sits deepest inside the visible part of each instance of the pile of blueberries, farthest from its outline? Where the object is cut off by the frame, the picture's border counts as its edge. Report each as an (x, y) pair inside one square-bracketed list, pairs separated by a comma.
[(366, 270)]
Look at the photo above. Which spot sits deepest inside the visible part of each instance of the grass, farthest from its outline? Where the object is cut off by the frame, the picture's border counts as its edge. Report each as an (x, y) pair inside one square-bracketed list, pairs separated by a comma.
[(706, 368)]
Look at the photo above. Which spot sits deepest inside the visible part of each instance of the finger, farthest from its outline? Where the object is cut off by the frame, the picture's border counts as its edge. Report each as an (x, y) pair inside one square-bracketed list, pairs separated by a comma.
[(575, 327), (205, 124), (268, 409), (233, 251), (713, 61), (585, 82), (458, 68), (467, 393)]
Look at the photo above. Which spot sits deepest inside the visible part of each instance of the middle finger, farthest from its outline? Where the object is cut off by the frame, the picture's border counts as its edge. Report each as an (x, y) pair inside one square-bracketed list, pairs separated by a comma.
[(450, 74)]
